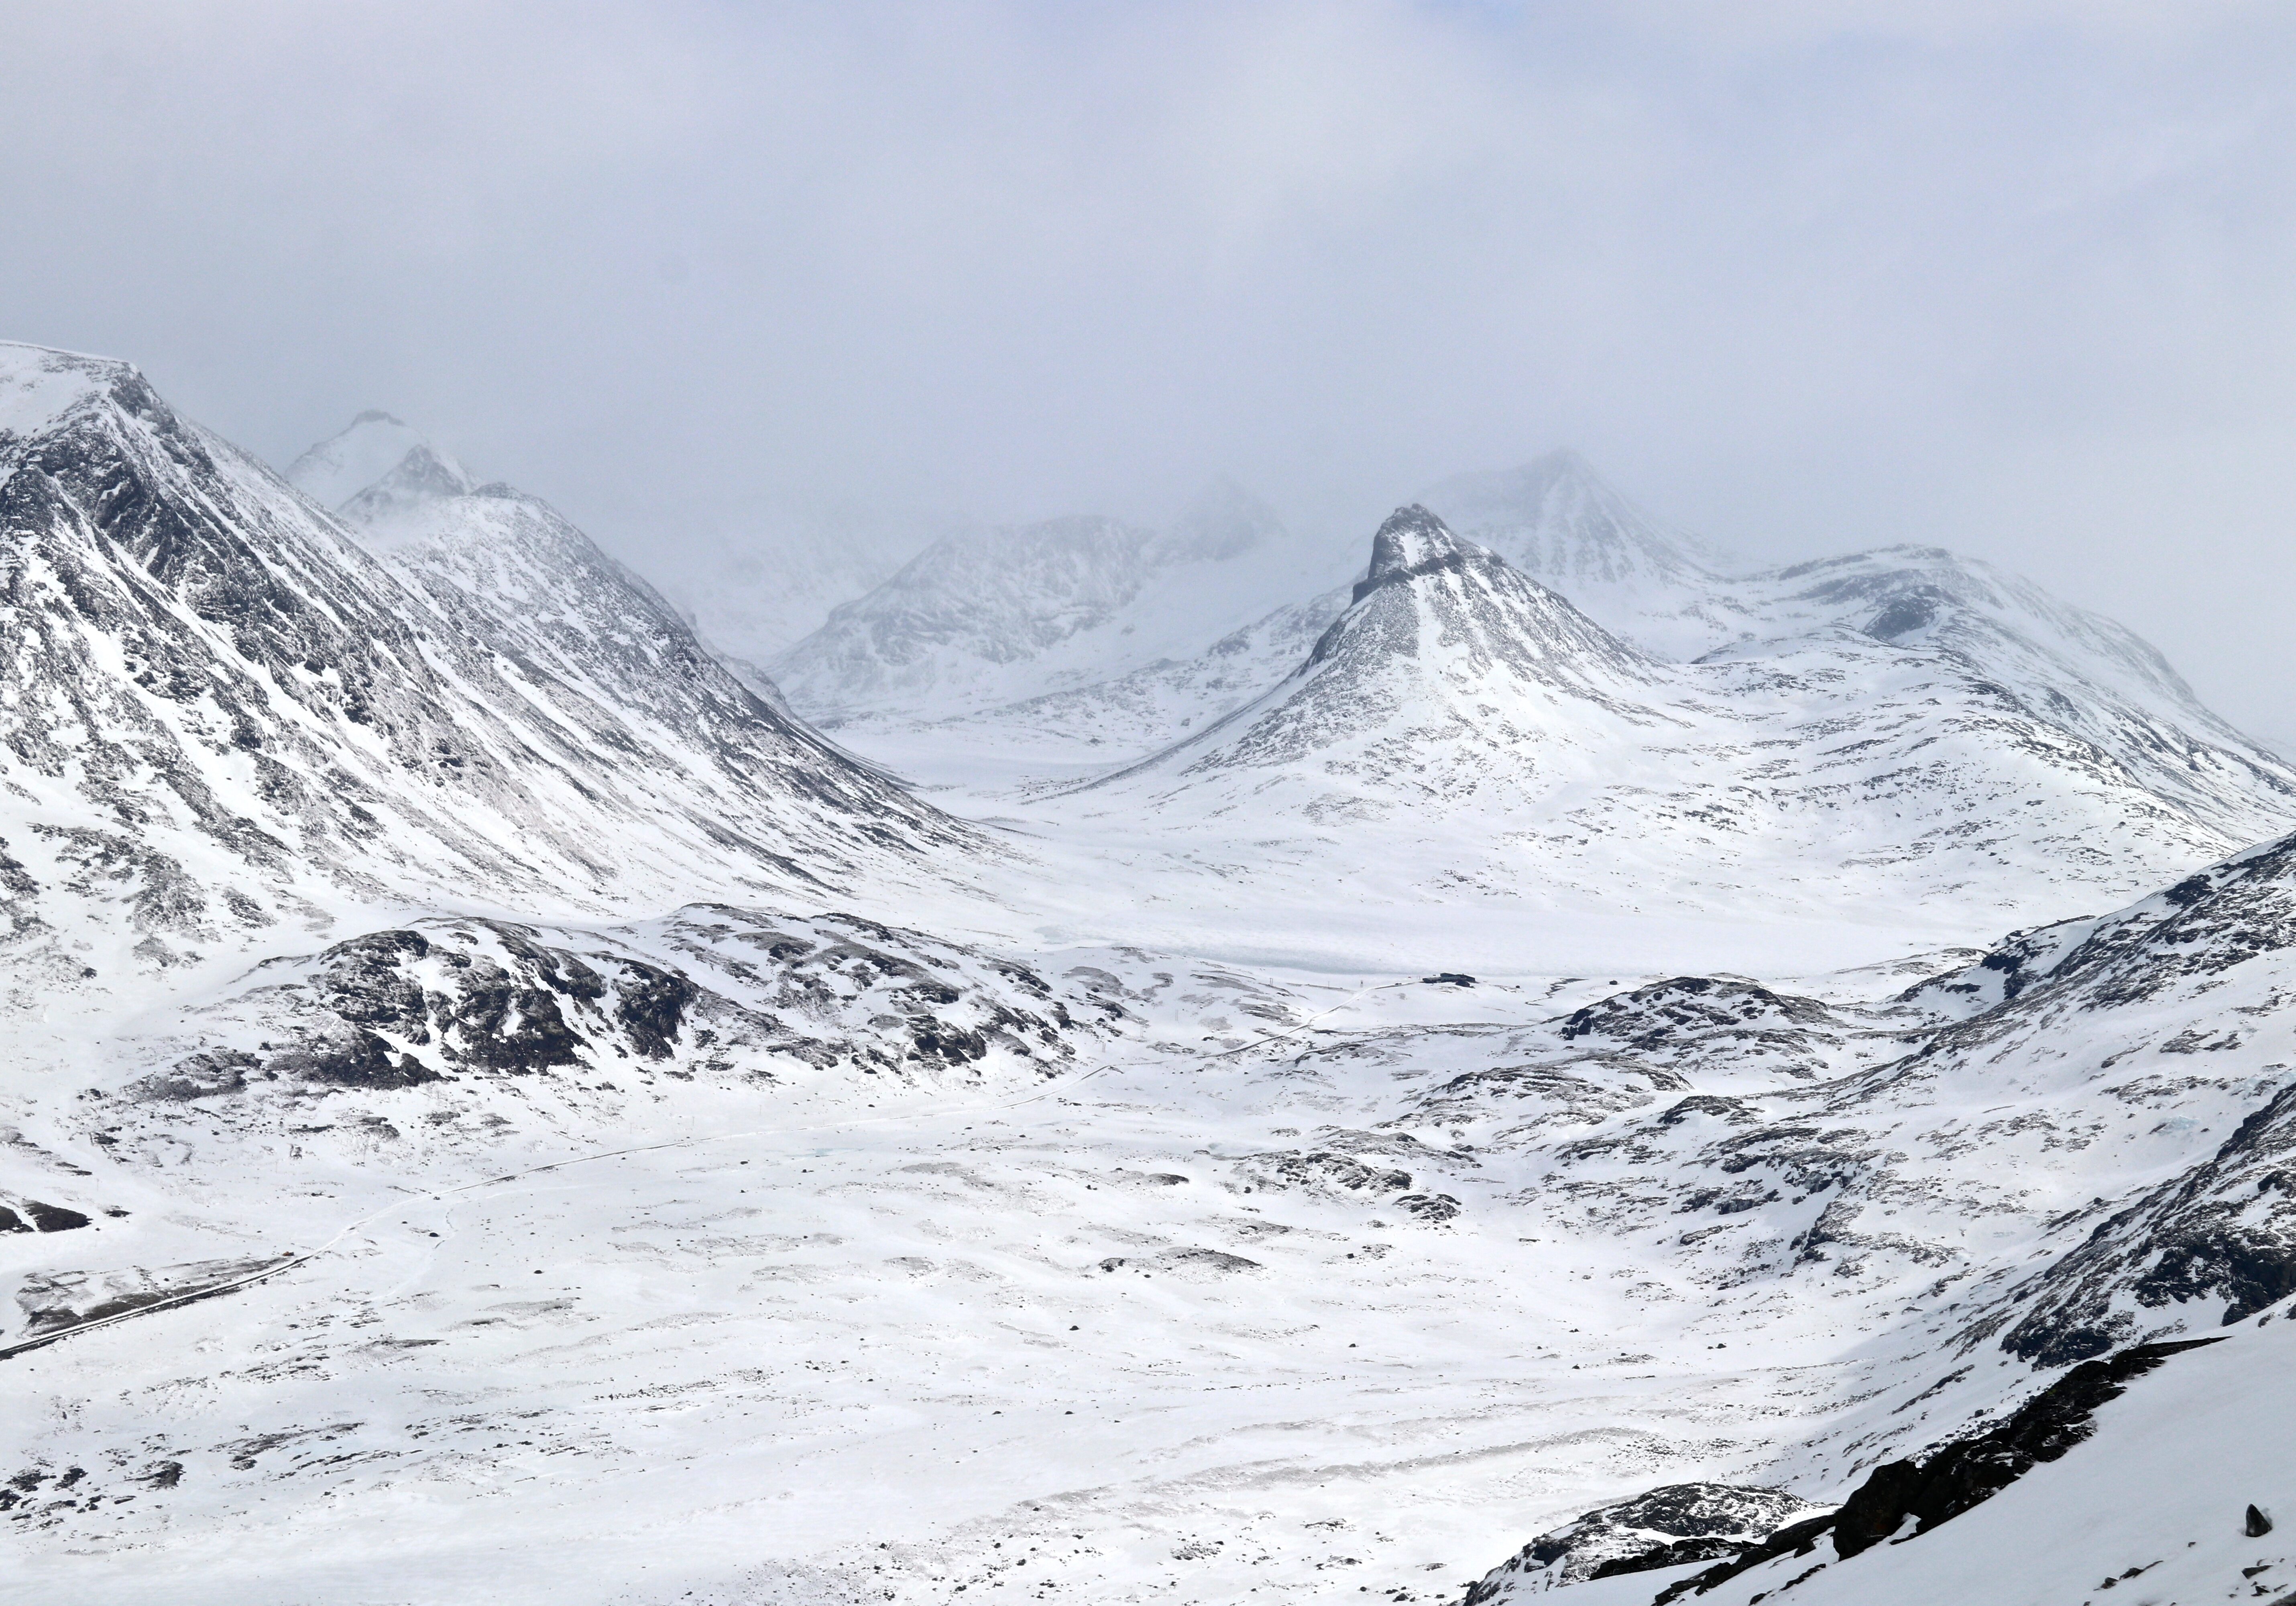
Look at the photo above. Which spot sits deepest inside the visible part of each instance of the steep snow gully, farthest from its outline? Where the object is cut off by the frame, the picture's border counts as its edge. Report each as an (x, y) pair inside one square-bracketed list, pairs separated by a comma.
[(1528, 1057)]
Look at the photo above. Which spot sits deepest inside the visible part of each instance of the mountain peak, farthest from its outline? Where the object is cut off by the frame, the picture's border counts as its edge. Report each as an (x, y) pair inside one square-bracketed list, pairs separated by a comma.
[(378, 464), (1224, 521), (1411, 543), (1556, 518), (38, 385)]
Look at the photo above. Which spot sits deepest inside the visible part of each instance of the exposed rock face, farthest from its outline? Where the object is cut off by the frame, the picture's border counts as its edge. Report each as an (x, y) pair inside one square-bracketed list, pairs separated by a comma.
[(222, 711), (1953, 1479), (22, 1215), (2182, 979), (458, 1010), (52, 1301), (2211, 921), (1662, 1527), (2224, 1234), (1713, 1022)]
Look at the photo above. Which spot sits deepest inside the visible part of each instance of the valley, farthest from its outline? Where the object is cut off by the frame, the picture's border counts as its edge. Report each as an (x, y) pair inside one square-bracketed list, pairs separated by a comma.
[(1197, 1065)]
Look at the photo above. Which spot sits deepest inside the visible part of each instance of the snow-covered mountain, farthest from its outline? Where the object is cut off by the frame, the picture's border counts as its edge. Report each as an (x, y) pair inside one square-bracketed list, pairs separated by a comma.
[(376, 467), (1462, 723), (1665, 591), (224, 710), (990, 617), (770, 576), (2008, 728), (1558, 522), (618, 1148)]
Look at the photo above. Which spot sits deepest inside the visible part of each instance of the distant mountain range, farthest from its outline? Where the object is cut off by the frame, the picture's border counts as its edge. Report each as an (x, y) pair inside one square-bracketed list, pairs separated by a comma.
[(499, 1106)]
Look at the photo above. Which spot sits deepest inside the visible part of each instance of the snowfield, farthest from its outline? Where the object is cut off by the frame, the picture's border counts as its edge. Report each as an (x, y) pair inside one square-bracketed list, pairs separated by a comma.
[(1521, 1059)]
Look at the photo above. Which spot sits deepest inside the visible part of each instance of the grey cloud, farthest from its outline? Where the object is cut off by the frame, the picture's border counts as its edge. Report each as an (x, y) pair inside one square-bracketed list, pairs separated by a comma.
[(2008, 278)]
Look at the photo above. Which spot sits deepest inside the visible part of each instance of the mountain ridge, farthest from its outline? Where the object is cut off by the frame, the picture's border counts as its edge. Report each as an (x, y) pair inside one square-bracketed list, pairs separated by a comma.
[(229, 711)]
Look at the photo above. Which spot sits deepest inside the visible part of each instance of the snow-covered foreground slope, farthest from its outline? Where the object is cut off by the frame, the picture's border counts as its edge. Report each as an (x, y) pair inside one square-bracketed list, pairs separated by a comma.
[(223, 715), (1120, 1278), (2161, 1502)]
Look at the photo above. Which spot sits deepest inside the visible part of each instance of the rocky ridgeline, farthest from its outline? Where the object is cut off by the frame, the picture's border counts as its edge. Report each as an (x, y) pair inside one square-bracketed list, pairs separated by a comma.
[(224, 714), (411, 1036), (1741, 1529)]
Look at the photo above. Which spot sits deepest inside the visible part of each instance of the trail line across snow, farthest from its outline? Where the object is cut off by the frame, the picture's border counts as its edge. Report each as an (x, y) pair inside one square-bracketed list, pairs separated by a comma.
[(289, 1261)]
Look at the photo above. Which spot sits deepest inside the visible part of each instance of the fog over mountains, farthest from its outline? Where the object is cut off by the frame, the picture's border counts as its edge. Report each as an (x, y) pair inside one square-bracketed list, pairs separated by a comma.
[(1506, 1052)]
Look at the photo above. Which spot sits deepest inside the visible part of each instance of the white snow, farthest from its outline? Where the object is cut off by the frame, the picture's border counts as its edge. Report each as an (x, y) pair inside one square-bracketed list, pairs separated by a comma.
[(1070, 1184), (366, 451)]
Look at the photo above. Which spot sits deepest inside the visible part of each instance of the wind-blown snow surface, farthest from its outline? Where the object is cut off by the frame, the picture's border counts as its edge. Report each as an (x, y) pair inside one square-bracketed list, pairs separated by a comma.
[(1362, 1304), (662, 1161)]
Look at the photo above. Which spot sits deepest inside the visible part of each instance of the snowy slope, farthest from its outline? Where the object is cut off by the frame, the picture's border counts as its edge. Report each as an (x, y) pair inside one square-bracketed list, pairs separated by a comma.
[(2160, 1499), (991, 618), (1303, 1283), (2085, 675), (773, 579), (1464, 728), (1559, 522), (222, 713), (605, 665), (2093, 1161)]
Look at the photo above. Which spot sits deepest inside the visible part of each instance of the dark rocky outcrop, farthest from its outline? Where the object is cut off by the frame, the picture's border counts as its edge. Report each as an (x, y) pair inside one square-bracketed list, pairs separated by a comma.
[(725, 991), (1664, 1527), (37, 1215), (1957, 1476), (2226, 1230)]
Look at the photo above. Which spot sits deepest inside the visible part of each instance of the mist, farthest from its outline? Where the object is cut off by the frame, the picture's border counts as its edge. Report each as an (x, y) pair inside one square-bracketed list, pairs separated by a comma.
[(2009, 278)]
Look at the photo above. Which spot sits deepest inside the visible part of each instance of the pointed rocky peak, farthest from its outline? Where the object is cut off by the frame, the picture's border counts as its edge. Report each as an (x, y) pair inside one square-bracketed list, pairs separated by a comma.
[(377, 466), (1412, 543), (1423, 576), (1224, 521)]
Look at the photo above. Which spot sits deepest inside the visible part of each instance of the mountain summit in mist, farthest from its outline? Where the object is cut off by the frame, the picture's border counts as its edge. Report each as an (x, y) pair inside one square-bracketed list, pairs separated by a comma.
[(1683, 1079)]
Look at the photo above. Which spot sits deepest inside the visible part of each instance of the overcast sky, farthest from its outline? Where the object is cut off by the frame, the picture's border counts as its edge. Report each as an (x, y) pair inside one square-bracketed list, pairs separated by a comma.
[(2011, 276)]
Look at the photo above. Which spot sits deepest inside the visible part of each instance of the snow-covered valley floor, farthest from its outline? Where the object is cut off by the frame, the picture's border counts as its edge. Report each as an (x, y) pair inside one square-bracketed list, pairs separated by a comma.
[(1077, 1341), (1404, 1096)]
